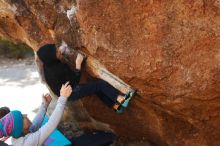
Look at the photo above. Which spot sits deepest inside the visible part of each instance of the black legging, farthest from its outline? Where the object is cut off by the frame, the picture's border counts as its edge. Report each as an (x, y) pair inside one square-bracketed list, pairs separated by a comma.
[(107, 93), (96, 138)]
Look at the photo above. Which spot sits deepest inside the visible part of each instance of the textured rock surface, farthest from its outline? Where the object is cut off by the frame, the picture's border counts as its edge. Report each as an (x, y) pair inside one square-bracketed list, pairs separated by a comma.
[(169, 50)]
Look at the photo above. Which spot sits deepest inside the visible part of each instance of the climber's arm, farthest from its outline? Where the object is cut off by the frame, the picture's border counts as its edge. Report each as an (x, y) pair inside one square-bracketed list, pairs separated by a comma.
[(67, 57)]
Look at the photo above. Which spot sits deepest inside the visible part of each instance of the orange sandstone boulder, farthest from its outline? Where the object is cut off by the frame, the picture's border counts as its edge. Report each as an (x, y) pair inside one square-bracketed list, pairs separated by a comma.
[(168, 50)]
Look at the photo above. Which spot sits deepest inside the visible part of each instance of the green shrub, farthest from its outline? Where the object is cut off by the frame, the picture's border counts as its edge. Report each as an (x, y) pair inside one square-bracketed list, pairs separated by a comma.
[(11, 50)]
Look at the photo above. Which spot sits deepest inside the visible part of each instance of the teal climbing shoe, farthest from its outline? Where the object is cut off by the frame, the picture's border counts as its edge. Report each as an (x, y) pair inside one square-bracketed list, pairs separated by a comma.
[(126, 102), (128, 97), (119, 110)]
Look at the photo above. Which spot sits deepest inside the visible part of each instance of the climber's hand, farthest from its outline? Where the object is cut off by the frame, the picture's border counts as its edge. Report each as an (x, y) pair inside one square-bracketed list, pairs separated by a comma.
[(46, 99), (79, 60), (66, 90)]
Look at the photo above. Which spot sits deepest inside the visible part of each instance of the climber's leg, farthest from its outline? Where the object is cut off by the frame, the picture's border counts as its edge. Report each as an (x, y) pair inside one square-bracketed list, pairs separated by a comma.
[(105, 99), (117, 107), (98, 86), (108, 94)]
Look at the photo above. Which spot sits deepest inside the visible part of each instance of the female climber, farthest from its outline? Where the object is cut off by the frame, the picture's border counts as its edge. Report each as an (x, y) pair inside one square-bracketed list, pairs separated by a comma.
[(55, 72), (27, 133)]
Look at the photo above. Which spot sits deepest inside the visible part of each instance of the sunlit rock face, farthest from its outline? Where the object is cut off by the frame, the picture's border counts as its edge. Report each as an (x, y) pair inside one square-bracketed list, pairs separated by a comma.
[(168, 50)]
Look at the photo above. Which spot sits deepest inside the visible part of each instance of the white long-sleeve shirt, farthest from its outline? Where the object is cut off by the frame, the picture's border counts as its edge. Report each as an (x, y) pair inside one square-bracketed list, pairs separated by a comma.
[(39, 135)]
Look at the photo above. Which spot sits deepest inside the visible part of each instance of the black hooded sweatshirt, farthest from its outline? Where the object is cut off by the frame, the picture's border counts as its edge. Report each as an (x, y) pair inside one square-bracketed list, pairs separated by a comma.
[(56, 73)]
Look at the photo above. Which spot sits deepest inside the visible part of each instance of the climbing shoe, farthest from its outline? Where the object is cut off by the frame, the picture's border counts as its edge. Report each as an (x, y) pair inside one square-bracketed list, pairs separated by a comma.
[(127, 97), (119, 110), (126, 102)]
